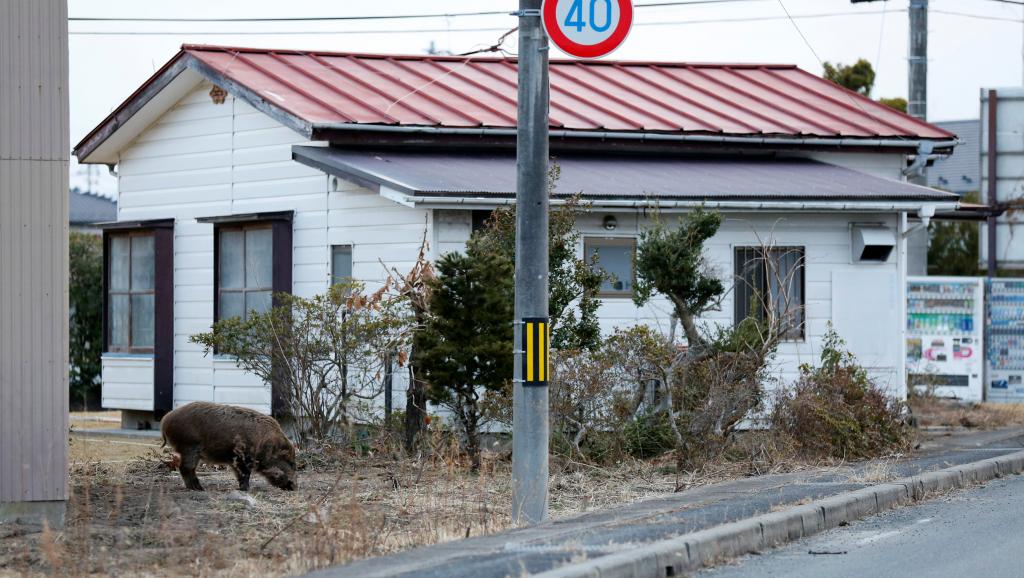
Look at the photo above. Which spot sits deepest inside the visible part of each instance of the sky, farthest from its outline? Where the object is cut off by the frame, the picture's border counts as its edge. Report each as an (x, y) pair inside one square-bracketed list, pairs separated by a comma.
[(973, 44)]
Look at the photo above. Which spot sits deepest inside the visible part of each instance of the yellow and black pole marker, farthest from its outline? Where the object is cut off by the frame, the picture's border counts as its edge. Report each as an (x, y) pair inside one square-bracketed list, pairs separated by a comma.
[(536, 344)]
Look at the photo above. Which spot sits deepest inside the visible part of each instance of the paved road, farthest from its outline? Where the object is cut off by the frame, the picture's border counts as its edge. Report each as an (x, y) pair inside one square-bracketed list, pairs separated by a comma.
[(975, 532)]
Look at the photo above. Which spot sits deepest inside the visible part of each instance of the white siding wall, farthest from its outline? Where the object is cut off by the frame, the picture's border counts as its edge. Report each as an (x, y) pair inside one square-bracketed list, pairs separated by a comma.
[(883, 165), (202, 160), (128, 381), (383, 235), (826, 240)]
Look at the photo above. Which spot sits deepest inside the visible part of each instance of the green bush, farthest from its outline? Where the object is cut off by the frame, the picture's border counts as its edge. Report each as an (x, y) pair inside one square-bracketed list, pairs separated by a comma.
[(837, 411), (649, 435), (85, 296)]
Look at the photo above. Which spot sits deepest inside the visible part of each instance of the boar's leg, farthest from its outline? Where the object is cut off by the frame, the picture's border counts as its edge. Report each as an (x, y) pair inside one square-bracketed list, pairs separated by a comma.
[(243, 471), (189, 461)]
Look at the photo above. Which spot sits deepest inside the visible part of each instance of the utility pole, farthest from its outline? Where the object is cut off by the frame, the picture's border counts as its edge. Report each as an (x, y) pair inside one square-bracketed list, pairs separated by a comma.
[(917, 91), (530, 395), (917, 60)]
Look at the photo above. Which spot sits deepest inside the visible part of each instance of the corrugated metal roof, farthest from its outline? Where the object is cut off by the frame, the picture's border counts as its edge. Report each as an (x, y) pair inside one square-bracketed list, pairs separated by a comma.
[(961, 171), (615, 177), (87, 209), (326, 88), (314, 91)]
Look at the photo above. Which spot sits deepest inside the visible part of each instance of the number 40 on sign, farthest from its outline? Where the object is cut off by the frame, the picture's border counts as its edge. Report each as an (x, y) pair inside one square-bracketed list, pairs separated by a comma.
[(587, 28)]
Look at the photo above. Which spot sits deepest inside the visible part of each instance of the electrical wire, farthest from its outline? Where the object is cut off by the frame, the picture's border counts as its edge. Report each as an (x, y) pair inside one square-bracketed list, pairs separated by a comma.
[(810, 47), (371, 17), (483, 29), (975, 16)]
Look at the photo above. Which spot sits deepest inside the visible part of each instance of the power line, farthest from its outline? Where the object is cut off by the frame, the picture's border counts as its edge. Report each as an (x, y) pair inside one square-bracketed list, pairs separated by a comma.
[(482, 29), (1014, 2), (370, 17), (975, 16)]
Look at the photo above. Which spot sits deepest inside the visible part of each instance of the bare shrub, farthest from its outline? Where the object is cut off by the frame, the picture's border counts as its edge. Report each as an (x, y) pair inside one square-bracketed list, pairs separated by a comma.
[(327, 355), (836, 410)]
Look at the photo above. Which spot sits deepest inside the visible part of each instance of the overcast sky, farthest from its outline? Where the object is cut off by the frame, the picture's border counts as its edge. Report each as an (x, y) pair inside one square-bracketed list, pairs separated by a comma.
[(972, 43)]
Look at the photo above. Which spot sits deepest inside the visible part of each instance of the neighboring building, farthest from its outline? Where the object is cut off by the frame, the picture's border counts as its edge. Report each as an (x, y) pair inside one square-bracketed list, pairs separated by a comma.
[(33, 259), (959, 172), (246, 171), (85, 210), (1002, 175)]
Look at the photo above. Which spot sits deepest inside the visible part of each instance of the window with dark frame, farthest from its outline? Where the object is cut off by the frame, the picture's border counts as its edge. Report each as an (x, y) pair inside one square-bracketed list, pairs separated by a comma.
[(341, 264), (616, 256), (244, 270), (130, 292), (770, 285)]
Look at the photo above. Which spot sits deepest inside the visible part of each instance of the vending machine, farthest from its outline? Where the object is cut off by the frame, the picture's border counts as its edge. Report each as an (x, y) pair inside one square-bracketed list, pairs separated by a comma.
[(945, 332), (1005, 343)]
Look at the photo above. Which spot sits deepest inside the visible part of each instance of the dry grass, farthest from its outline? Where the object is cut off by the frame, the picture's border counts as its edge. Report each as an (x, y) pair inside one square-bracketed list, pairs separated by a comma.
[(128, 513), (932, 411), (89, 420)]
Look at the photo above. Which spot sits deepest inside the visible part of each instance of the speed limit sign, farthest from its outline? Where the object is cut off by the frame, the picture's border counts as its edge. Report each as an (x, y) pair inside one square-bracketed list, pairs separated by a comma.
[(587, 28)]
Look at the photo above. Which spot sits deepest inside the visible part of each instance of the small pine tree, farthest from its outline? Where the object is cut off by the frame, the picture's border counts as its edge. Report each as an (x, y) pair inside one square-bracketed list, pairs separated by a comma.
[(671, 262), (465, 348)]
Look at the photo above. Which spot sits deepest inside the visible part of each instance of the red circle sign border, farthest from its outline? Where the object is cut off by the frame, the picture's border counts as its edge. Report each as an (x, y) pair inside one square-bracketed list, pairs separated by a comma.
[(578, 50)]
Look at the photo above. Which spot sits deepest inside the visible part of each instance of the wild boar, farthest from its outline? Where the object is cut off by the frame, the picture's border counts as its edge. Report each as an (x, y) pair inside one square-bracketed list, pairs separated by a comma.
[(241, 438)]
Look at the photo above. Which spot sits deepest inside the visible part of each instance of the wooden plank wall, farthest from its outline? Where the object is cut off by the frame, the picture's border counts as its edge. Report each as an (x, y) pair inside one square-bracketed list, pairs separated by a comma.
[(33, 250)]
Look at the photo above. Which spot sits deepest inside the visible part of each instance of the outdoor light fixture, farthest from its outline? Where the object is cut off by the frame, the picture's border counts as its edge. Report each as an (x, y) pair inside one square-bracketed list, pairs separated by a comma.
[(610, 222)]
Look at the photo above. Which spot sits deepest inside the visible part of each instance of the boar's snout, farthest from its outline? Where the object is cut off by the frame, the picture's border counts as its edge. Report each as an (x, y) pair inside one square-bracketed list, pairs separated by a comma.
[(281, 474)]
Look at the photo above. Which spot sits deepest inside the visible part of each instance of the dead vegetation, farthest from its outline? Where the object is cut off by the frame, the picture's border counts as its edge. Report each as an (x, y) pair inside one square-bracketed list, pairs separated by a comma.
[(932, 411), (129, 514)]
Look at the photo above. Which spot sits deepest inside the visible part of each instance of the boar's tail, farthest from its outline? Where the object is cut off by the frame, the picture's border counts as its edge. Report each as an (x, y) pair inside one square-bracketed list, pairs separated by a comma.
[(164, 438)]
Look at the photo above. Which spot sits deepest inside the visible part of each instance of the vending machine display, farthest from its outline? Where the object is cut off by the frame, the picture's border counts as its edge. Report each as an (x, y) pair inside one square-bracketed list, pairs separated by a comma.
[(945, 329), (1006, 340)]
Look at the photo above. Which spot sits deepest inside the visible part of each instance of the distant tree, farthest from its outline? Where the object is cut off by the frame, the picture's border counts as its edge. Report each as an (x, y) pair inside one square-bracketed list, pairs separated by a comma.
[(464, 351), (898, 102), (85, 296), (858, 77), (573, 282), (953, 246)]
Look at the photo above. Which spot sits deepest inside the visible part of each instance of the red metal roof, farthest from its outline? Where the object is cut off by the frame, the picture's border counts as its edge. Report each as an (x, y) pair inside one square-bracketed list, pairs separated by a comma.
[(310, 91), (326, 88)]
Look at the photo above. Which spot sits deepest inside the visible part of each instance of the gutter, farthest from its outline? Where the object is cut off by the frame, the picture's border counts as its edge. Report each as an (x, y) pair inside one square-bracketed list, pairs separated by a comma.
[(320, 130), (427, 202)]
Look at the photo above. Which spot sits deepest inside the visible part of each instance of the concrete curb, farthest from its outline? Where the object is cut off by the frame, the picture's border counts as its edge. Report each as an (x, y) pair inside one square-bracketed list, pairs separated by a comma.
[(691, 552)]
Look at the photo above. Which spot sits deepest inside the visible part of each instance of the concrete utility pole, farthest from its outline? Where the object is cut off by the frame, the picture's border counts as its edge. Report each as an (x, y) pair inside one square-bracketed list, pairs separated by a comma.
[(917, 90), (530, 395)]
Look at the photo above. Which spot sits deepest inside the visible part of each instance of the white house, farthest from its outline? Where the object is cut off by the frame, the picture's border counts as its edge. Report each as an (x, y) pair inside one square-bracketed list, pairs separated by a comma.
[(243, 171)]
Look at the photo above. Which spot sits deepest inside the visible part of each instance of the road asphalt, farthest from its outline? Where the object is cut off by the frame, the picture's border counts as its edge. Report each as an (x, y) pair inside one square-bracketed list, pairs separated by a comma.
[(973, 532)]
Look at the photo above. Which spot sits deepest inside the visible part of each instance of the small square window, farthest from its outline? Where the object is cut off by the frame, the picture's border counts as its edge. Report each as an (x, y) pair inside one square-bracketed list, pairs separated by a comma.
[(616, 257), (770, 285), (341, 264)]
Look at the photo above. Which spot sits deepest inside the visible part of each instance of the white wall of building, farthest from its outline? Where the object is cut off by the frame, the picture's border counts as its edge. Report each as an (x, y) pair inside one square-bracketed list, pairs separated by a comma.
[(826, 240)]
